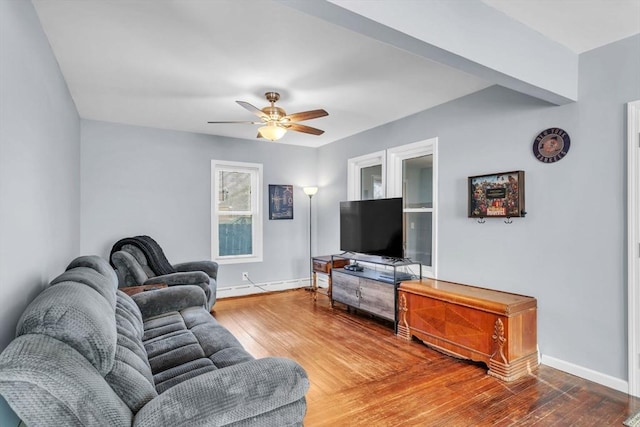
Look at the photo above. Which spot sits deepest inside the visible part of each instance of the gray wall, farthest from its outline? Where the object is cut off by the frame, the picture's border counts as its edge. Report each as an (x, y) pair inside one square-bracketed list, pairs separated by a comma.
[(39, 168), (569, 250), (139, 180)]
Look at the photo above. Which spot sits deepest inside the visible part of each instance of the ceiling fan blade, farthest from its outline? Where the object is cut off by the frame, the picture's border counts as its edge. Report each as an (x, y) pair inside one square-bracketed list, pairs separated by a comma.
[(306, 115), (303, 129), (253, 123), (255, 110)]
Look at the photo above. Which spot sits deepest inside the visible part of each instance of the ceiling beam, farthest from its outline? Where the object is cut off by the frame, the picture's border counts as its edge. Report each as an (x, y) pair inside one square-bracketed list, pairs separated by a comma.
[(469, 36)]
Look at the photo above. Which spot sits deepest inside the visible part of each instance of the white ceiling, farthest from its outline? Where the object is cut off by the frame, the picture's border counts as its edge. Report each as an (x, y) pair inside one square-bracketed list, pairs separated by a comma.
[(580, 25), (178, 64)]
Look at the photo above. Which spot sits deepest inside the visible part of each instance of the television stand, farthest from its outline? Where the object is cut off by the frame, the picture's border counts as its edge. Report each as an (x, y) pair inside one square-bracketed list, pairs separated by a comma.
[(371, 288), (322, 266)]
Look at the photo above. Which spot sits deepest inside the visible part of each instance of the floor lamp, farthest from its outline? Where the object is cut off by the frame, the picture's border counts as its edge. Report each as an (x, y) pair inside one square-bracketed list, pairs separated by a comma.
[(310, 191)]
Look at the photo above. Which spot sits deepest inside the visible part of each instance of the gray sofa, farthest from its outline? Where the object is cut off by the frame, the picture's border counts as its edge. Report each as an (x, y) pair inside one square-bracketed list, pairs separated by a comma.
[(88, 355), (135, 266)]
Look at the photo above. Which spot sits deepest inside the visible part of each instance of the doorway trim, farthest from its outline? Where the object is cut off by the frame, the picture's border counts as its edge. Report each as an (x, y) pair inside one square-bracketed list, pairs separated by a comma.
[(633, 242)]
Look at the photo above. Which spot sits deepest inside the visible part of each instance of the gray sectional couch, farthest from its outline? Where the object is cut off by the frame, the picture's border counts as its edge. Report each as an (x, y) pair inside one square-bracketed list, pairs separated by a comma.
[(86, 354)]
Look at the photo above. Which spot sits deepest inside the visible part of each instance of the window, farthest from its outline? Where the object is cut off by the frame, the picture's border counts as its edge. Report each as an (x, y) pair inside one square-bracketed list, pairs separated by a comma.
[(236, 214), (366, 177), (412, 175), (409, 171)]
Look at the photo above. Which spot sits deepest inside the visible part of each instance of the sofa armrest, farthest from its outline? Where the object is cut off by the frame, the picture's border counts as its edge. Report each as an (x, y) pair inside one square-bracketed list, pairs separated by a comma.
[(159, 301), (209, 267), (197, 278), (229, 395)]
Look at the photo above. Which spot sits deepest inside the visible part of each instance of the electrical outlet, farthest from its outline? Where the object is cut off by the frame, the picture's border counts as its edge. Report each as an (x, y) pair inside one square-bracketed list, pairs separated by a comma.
[(245, 276)]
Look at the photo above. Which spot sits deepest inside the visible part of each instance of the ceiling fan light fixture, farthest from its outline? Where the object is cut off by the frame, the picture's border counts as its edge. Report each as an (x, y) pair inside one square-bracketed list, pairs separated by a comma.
[(276, 122), (272, 131)]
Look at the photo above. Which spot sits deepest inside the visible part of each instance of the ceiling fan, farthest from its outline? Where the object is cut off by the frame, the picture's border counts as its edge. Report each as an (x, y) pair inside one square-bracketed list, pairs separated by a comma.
[(276, 122)]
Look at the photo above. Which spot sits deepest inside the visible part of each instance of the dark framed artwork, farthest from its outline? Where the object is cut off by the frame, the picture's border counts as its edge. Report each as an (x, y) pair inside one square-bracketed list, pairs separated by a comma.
[(497, 195), (280, 201)]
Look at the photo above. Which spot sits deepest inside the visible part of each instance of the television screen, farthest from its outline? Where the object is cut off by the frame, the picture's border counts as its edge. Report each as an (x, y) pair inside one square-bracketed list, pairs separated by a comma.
[(372, 227)]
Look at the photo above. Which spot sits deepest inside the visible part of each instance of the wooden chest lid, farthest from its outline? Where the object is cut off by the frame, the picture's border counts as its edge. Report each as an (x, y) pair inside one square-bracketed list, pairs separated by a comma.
[(503, 303)]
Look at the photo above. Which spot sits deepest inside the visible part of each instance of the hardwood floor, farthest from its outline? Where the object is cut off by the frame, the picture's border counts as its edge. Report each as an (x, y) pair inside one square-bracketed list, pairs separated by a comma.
[(361, 374)]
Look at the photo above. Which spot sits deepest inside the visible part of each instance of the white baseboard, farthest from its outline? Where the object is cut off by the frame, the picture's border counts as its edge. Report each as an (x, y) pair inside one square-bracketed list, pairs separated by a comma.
[(586, 373), (260, 288)]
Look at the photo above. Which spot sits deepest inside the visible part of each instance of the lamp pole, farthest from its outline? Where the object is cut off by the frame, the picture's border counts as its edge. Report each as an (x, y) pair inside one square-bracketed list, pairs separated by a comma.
[(310, 191)]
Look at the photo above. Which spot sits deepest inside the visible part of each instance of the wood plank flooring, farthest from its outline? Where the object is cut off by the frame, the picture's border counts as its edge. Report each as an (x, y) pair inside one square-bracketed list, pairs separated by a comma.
[(361, 374)]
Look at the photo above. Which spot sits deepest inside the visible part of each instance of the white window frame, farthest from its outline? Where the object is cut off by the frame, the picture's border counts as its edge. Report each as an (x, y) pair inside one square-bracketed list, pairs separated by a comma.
[(354, 169), (395, 157), (256, 203)]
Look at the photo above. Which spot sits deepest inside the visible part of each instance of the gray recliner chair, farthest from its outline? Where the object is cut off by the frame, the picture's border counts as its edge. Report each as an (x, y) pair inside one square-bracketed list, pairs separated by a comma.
[(140, 261)]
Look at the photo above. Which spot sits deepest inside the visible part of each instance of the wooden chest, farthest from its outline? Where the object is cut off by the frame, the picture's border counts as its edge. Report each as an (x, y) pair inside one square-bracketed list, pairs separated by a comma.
[(484, 325)]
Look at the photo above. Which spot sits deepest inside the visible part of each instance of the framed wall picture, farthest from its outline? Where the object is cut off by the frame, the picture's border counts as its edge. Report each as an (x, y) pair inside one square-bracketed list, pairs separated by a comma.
[(280, 201), (551, 145), (497, 195)]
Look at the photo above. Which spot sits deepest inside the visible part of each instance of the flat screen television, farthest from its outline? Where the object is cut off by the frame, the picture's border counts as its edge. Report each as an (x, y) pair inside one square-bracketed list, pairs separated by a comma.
[(372, 227)]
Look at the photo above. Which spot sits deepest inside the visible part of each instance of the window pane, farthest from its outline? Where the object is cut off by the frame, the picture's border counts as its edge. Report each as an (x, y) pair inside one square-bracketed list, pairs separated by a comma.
[(235, 235), (234, 191), (418, 230), (371, 182), (417, 176)]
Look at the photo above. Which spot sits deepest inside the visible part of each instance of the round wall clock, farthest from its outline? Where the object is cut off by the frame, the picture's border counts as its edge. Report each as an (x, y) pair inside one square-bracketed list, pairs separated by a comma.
[(551, 145)]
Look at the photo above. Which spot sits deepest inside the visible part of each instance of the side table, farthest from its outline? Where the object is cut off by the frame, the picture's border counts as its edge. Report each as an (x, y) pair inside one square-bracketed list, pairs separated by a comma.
[(132, 290), (322, 265)]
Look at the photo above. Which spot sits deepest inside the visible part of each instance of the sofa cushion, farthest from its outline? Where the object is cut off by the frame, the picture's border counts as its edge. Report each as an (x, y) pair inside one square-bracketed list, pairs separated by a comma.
[(91, 278), (187, 343), (129, 383), (170, 377), (48, 383), (218, 344), (173, 350), (78, 309), (128, 316), (140, 257), (131, 376), (76, 315), (98, 264)]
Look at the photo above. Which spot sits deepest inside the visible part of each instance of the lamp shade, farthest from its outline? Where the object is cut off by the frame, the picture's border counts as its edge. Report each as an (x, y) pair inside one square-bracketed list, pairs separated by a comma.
[(310, 191), (272, 131)]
